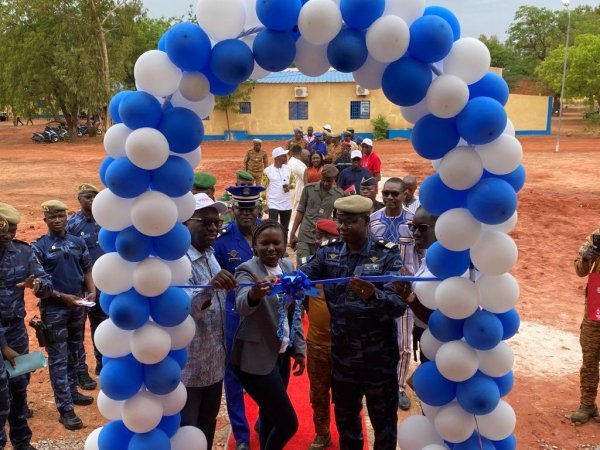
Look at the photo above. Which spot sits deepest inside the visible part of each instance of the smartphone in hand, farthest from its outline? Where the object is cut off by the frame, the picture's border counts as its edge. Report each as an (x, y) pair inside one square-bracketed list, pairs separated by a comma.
[(596, 241)]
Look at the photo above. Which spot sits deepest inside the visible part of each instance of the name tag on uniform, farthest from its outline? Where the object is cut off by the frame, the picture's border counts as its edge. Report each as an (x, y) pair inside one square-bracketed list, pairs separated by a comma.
[(371, 268)]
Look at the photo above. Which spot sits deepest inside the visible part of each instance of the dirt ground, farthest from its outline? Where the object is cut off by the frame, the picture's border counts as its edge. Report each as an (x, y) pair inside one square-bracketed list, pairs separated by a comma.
[(558, 207)]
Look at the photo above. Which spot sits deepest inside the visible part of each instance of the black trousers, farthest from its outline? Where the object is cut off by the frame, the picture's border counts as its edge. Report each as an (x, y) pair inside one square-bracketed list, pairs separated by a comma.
[(278, 420), (201, 409), (283, 217)]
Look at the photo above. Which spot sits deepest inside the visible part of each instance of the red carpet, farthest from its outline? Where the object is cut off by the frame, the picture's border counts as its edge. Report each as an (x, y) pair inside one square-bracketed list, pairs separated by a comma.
[(298, 390)]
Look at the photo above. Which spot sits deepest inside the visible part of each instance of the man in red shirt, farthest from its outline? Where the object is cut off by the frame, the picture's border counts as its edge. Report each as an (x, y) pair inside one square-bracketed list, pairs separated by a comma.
[(371, 159)]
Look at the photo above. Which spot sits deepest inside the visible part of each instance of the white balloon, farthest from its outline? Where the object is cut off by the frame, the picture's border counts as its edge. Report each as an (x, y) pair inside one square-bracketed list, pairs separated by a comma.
[(429, 345), (221, 20), (111, 340), (114, 140), (501, 156), (311, 59), (496, 362), (151, 277), (387, 38), (461, 168), (494, 253), (457, 361), (174, 401), (510, 128), (142, 412), (415, 432), (252, 19), (186, 206), (499, 424), (189, 438), (409, 10), (182, 334), (109, 408), (194, 86), (203, 108), (111, 211), (415, 112), (91, 443), (319, 21), (504, 227), (457, 229), (193, 158), (469, 59), (112, 274), (147, 148), (181, 269), (454, 424), (370, 74), (435, 163), (447, 96), (435, 447), (429, 411), (153, 213), (150, 344), (498, 294), (156, 74), (457, 297), (425, 291)]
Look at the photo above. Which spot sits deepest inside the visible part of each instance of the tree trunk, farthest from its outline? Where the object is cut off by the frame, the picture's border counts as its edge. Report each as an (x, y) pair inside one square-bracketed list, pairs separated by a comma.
[(103, 49), (228, 136)]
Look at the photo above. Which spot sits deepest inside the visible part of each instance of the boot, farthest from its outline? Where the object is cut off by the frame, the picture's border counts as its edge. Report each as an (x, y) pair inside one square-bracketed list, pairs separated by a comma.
[(584, 414), (320, 442), (70, 420), (26, 446), (81, 400), (86, 382)]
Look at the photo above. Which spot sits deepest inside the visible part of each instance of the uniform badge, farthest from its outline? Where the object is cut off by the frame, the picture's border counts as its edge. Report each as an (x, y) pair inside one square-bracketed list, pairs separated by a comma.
[(332, 256), (233, 253), (374, 259)]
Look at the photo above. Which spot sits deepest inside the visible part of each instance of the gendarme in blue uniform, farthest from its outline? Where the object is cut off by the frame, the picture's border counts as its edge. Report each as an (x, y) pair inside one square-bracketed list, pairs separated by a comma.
[(87, 229)]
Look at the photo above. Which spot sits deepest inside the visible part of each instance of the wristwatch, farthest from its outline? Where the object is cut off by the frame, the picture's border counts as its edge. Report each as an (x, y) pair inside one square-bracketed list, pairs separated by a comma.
[(36, 285)]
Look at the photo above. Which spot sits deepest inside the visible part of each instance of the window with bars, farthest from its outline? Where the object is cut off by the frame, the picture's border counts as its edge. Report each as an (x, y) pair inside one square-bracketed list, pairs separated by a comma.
[(245, 108), (360, 109), (298, 111)]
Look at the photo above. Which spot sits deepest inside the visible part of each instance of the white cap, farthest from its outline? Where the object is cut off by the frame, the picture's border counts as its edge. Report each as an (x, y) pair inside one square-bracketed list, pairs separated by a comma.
[(356, 154), (327, 127), (367, 141), (204, 201), (279, 151)]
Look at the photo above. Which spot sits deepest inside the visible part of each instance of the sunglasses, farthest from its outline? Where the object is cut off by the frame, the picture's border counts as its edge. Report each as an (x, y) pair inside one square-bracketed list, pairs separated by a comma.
[(206, 223), (422, 227), (390, 193)]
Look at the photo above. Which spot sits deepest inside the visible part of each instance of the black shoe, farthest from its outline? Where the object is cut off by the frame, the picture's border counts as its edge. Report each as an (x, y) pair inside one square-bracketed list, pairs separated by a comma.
[(98, 369), (28, 413), (26, 446), (403, 401), (81, 400), (86, 382), (242, 446), (70, 420)]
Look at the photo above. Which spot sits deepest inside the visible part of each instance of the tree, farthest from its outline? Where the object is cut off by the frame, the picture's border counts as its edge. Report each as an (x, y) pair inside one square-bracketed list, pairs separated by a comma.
[(514, 66), (534, 32), (231, 103)]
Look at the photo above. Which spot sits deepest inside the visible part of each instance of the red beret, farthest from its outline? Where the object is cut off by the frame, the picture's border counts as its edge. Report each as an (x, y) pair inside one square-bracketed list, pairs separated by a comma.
[(327, 226)]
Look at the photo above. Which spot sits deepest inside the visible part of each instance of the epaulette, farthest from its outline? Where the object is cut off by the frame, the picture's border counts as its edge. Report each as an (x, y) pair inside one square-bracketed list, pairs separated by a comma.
[(306, 259), (19, 241), (223, 231), (386, 244), (330, 242), (406, 240)]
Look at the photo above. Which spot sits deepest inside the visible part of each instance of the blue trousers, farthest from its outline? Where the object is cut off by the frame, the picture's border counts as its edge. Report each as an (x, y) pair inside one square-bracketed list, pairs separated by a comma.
[(96, 316)]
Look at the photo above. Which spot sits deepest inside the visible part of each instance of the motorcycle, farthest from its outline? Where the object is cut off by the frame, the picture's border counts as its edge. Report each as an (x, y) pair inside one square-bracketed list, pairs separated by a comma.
[(46, 136), (62, 131), (82, 130)]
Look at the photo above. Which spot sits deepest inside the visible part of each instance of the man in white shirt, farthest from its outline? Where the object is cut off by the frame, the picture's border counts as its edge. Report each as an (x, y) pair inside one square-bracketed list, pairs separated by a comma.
[(279, 181), (298, 167)]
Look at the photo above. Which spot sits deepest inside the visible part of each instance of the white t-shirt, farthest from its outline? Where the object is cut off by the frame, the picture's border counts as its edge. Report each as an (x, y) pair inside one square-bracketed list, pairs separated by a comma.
[(298, 168), (275, 272), (276, 197)]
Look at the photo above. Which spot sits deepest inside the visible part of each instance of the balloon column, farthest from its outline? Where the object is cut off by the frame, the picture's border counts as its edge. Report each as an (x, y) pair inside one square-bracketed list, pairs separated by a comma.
[(442, 84)]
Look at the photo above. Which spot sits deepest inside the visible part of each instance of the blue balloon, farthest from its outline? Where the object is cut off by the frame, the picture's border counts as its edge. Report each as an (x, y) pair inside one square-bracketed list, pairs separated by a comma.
[(444, 263), (174, 178), (218, 87), (483, 330), (170, 424), (433, 137), (510, 323), (475, 442), (438, 198), (278, 15), (114, 436), (479, 395), (505, 383), (113, 106), (274, 50), (405, 82), (443, 328), (232, 61), (121, 378), (130, 310), (360, 14), (171, 307), (492, 201), (139, 109), (162, 378), (348, 51), (431, 39), (516, 178), (481, 121), (431, 387), (156, 439), (125, 179), (448, 16), (188, 46), (133, 246), (510, 443), (183, 129), (105, 301), (107, 240), (181, 356), (162, 42), (174, 244), (106, 162), (491, 85)]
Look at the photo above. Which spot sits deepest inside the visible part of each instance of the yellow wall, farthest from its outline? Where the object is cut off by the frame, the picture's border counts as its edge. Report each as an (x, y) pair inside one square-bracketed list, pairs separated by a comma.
[(528, 112)]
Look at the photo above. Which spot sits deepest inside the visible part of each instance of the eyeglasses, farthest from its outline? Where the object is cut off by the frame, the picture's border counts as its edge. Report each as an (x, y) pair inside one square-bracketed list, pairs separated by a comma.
[(356, 159), (390, 193), (422, 227), (206, 223)]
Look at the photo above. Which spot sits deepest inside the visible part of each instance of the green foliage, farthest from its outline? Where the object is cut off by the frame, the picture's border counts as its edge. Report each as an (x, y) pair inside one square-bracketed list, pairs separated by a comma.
[(380, 127), (534, 32)]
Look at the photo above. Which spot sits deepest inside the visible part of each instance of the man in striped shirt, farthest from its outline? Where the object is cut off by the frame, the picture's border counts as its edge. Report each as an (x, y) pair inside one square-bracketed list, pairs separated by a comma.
[(411, 202)]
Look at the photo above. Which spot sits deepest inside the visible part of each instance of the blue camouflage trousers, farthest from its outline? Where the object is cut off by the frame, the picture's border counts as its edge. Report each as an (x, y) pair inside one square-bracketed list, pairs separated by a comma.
[(13, 391), (67, 325), (96, 316)]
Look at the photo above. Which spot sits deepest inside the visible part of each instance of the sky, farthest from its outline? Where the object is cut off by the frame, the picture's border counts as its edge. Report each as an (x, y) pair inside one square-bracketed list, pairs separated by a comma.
[(477, 17)]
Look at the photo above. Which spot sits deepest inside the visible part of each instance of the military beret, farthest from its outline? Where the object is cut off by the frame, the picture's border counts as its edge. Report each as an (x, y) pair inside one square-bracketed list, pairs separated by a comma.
[(328, 226), (85, 188), (10, 214), (243, 175), (354, 204), (3, 225), (318, 134), (257, 141), (329, 170), (204, 180), (53, 206)]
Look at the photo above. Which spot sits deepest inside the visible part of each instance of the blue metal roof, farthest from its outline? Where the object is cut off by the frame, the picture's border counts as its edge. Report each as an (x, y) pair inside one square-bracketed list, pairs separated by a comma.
[(294, 76)]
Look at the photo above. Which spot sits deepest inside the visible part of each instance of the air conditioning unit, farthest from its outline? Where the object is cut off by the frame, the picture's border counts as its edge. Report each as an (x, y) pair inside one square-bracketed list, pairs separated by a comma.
[(300, 92), (361, 90)]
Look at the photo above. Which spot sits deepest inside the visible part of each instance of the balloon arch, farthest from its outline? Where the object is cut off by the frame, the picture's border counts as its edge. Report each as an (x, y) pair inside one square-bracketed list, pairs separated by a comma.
[(442, 84)]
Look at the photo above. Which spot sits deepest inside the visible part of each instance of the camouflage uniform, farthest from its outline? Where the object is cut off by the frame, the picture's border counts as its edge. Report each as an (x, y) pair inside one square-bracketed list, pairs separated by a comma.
[(255, 162), (364, 348), (66, 259), (5, 396)]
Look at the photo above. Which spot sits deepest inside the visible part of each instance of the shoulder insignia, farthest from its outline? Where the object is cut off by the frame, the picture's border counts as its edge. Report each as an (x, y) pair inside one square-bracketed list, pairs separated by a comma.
[(19, 241), (233, 253), (329, 242), (386, 244), (306, 259), (406, 240)]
